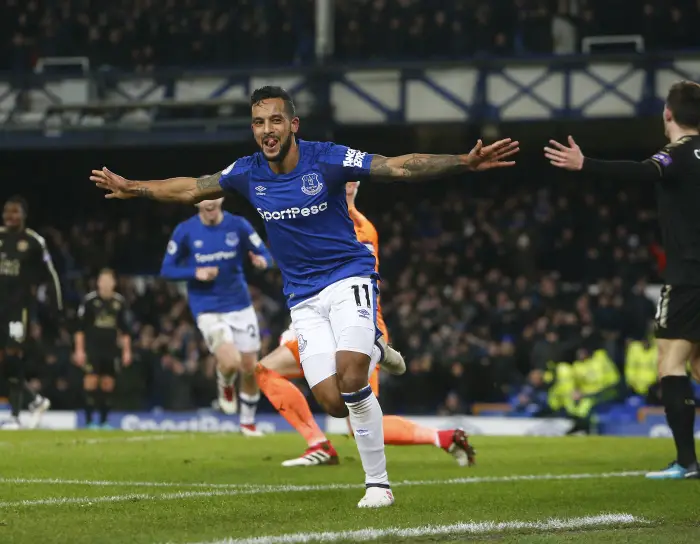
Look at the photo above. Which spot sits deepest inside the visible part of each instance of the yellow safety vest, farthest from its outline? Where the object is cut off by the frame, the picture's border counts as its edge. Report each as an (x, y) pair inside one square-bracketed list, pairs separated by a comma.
[(641, 370)]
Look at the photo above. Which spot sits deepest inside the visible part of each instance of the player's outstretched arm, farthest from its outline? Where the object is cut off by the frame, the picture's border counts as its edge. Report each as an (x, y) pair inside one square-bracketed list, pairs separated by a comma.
[(571, 158), (185, 190), (419, 167)]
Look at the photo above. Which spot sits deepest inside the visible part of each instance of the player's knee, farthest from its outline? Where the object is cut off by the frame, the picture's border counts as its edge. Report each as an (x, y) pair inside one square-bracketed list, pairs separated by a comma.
[(673, 356), (228, 358), (107, 384), (352, 358), (248, 362), (90, 382), (13, 365)]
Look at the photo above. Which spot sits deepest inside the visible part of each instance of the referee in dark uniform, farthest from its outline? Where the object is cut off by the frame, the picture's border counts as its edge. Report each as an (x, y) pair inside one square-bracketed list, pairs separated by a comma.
[(24, 263), (102, 326), (675, 171)]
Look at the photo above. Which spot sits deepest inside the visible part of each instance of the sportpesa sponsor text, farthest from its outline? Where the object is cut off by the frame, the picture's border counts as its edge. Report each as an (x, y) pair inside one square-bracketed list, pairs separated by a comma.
[(292, 213)]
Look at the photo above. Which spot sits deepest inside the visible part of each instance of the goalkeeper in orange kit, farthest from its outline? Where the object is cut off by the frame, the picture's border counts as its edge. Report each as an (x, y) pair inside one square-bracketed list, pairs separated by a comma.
[(275, 370)]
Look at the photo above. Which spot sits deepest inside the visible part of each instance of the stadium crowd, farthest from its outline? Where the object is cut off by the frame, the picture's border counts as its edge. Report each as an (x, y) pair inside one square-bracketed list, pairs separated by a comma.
[(143, 34), (481, 287)]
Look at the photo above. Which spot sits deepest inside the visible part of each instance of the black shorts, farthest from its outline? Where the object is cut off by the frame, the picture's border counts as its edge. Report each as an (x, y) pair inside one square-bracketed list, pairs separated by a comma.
[(13, 327), (678, 313), (101, 365)]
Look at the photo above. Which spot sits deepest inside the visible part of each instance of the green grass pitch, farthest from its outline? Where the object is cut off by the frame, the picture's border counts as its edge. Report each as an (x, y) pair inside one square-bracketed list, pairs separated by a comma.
[(117, 487)]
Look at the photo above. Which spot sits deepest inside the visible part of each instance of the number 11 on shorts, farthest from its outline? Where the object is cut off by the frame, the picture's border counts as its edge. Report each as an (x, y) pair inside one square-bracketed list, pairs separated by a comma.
[(358, 300)]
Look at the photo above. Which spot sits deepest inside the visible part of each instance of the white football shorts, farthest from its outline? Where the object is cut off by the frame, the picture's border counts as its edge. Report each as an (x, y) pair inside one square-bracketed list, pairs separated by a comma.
[(342, 317), (239, 328)]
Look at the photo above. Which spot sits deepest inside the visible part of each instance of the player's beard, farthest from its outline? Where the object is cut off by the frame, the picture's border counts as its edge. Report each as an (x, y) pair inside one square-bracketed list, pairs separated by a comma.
[(285, 146)]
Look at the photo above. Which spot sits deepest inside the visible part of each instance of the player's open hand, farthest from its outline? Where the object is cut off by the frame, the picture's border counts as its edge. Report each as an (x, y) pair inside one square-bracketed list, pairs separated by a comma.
[(492, 156), (258, 261), (561, 156), (109, 181), (206, 273)]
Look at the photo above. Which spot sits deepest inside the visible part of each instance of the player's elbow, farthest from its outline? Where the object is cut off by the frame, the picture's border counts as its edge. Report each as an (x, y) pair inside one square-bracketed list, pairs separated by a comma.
[(165, 271)]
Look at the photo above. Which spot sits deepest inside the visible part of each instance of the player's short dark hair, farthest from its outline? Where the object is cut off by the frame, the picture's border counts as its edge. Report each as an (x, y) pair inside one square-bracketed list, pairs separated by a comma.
[(20, 201), (270, 91), (683, 101), (108, 271)]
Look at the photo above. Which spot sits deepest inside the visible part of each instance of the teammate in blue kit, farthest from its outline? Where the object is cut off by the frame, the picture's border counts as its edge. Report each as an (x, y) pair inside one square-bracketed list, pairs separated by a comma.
[(298, 188), (208, 251)]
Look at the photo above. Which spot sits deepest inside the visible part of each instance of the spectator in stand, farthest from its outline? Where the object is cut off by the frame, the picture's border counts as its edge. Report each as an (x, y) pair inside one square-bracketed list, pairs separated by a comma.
[(204, 34)]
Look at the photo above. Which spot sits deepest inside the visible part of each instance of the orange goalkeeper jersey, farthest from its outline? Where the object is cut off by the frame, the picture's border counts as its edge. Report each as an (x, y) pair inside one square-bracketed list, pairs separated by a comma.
[(367, 234)]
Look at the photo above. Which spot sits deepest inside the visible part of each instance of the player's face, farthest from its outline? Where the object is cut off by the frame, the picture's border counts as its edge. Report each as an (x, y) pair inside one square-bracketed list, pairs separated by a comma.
[(12, 215), (106, 283), (273, 129), (210, 209)]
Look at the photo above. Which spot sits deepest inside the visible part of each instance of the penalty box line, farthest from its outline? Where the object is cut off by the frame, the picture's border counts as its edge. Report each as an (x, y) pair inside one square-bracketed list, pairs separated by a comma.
[(218, 490)]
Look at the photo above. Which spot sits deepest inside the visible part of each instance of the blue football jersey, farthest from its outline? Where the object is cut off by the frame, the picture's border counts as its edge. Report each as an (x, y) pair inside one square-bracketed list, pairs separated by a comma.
[(226, 246), (306, 215)]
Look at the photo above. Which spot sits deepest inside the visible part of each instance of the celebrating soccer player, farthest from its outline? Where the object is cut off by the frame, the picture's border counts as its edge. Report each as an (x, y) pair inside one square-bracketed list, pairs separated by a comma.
[(675, 170), (284, 363), (298, 188), (208, 251)]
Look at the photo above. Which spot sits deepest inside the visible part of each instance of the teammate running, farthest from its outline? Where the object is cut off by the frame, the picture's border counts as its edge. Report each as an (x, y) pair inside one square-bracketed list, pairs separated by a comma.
[(330, 283), (284, 363), (675, 170), (208, 251), (24, 262)]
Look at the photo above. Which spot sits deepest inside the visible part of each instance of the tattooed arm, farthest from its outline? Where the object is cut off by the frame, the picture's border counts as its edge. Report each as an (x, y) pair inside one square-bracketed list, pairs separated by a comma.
[(185, 190), (416, 166), (419, 167)]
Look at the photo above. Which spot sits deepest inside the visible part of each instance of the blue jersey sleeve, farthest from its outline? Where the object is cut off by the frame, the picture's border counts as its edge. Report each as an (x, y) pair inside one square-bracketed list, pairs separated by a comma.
[(176, 252), (253, 242), (235, 177), (343, 164)]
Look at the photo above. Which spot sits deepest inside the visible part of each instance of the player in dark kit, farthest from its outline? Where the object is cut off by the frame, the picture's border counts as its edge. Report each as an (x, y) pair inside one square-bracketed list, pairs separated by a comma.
[(102, 323), (675, 170), (24, 263)]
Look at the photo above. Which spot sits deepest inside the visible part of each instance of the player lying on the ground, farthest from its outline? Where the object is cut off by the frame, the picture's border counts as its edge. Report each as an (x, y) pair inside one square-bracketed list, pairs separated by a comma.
[(276, 369), (330, 283), (25, 262), (675, 170), (208, 251)]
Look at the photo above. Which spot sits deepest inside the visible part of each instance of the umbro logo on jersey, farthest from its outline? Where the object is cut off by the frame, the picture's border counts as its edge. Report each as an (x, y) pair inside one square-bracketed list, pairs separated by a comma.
[(292, 213), (198, 243), (364, 313), (260, 190), (310, 184)]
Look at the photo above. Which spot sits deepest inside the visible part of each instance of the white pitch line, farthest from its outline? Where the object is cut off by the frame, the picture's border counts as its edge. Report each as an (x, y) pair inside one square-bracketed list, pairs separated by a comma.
[(252, 489), (92, 441), (464, 528), (114, 483), (320, 487)]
